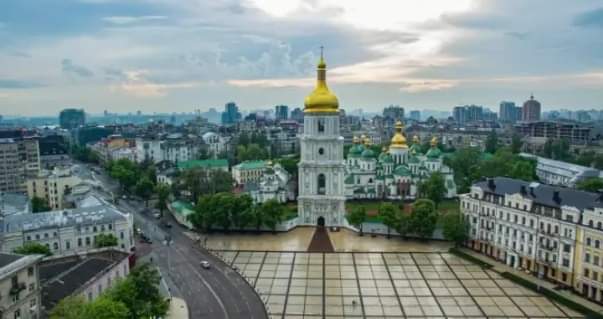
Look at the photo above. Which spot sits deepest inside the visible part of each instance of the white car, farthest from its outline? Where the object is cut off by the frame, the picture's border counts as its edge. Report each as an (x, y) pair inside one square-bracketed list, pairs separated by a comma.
[(205, 264)]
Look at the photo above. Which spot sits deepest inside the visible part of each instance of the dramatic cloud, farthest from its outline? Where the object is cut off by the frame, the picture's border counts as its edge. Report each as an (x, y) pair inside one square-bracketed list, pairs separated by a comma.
[(163, 55)]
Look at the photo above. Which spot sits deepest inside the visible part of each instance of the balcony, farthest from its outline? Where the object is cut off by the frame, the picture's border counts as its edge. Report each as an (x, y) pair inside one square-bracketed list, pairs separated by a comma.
[(548, 247), (17, 288)]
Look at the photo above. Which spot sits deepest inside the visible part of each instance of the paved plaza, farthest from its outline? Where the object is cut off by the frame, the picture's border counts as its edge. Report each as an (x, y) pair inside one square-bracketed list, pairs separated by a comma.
[(299, 239), (385, 285)]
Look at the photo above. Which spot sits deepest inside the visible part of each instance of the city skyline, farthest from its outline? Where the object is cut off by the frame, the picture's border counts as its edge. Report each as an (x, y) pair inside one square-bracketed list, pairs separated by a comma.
[(159, 56)]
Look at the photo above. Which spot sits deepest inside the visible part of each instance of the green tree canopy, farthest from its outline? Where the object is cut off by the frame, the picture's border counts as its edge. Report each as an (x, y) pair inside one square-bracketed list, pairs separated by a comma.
[(516, 144), (390, 215), (274, 212), (492, 142), (357, 217), (39, 204), (591, 184), (433, 188), (424, 218), (251, 152), (33, 248), (144, 188), (454, 228), (163, 194), (105, 240)]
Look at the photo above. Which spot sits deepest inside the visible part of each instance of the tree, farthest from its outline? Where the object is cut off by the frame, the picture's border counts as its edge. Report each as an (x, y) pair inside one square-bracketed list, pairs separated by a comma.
[(105, 308), (202, 217), (424, 218), (523, 169), (465, 163), (516, 144), (251, 152), (273, 212), (241, 216), (105, 240), (591, 184), (357, 217), (492, 142), (139, 292), (258, 218), (163, 194), (403, 226), (144, 189), (126, 172), (223, 209), (598, 162), (454, 228), (33, 248), (39, 204), (69, 308), (433, 188), (390, 216)]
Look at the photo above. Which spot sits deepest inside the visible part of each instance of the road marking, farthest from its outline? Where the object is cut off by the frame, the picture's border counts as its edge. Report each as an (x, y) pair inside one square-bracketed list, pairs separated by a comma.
[(205, 283)]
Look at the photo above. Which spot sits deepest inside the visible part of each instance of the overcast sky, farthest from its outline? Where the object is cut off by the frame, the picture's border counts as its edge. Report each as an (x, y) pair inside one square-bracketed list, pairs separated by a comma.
[(180, 55)]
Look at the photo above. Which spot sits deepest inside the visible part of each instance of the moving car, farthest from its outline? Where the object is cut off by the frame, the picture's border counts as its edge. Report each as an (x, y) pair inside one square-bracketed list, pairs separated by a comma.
[(205, 264)]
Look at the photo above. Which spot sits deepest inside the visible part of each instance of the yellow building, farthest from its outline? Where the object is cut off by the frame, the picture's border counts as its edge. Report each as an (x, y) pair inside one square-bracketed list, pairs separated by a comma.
[(51, 186)]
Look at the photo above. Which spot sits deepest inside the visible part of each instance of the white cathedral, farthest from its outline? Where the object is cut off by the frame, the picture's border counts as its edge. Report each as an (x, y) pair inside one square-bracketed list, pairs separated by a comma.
[(394, 174), (321, 199), (326, 179)]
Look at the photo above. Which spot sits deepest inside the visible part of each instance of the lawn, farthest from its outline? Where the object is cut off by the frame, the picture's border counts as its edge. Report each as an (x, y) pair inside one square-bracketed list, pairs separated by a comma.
[(445, 207)]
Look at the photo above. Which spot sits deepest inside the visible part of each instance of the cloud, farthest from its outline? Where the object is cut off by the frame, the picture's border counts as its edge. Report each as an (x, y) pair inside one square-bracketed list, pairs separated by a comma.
[(517, 35), (593, 18), (124, 20), (68, 67), (17, 84), (137, 84)]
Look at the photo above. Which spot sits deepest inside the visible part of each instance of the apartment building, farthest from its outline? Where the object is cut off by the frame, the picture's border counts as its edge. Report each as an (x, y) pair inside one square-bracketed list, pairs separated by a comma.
[(174, 148), (19, 286), (19, 159), (554, 233), (68, 231), (52, 186)]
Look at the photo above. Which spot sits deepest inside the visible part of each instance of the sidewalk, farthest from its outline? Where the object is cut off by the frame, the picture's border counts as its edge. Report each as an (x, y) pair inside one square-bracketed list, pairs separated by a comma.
[(178, 309), (500, 268)]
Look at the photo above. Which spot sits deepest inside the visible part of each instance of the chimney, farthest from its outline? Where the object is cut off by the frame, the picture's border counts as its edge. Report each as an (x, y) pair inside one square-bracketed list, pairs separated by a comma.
[(556, 197), (523, 190)]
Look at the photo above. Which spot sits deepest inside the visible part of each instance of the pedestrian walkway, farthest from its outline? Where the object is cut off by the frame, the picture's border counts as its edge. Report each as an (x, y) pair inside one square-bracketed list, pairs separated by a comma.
[(321, 243), (501, 268), (178, 309)]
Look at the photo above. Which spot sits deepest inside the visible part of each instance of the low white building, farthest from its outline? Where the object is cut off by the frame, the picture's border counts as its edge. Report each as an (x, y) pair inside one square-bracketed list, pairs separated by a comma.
[(68, 231), (560, 173), (19, 286), (174, 148), (273, 184), (214, 143), (248, 171)]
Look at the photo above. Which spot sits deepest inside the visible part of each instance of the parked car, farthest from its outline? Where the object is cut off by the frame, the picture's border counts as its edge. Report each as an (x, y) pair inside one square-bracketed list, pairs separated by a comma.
[(205, 264)]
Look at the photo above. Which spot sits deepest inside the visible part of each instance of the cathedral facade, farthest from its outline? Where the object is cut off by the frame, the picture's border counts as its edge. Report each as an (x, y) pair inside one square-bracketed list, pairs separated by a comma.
[(396, 172), (321, 199)]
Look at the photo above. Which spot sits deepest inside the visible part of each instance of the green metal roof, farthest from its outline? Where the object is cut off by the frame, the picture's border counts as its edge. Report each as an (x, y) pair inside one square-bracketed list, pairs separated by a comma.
[(252, 165), (402, 171), (434, 152), (208, 163), (349, 179), (182, 208)]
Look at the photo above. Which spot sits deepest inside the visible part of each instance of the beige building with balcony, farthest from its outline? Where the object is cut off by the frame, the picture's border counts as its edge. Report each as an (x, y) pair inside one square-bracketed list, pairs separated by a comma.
[(19, 286), (52, 186)]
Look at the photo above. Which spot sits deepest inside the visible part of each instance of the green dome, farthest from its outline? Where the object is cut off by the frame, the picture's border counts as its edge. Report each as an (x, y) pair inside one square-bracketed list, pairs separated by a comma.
[(413, 160), (415, 149), (368, 153), (355, 150), (402, 170), (385, 158), (434, 152)]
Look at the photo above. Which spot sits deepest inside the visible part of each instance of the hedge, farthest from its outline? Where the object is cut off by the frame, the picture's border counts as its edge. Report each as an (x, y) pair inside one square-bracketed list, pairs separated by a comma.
[(459, 253), (552, 295)]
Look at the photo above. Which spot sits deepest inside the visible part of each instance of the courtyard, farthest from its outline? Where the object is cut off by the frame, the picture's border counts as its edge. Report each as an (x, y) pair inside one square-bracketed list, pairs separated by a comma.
[(385, 285)]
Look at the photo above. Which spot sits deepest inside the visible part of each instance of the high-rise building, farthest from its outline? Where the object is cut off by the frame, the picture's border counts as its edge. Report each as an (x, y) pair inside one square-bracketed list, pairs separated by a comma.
[(297, 115), (415, 115), (509, 112), (531, 110), (394, 113), (468, 113), (281, 112), (321, 198), (19, 159), (72, 118), (231, 114)]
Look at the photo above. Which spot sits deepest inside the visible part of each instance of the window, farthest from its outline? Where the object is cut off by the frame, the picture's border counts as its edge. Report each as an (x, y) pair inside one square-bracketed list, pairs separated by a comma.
[(597, 243), (87, 241), (32, 287), (596, 260), (121, 235), (67, 245), (587, 241), (587, 258), (321, 184), (321, 151), (55, 246), (18, 314), (79, 242), (321, 125)]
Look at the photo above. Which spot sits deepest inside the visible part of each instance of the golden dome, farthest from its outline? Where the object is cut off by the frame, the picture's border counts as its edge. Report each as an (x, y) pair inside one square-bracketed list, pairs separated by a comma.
[(416, 140), (367, 141), (355, 139), (321, 100), (398, 140), (434, 141)]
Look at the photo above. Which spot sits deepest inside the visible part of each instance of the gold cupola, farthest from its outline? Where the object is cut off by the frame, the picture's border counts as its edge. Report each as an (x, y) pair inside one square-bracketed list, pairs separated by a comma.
[(398, 140), (321, 100), (416, 140), (434, 142)]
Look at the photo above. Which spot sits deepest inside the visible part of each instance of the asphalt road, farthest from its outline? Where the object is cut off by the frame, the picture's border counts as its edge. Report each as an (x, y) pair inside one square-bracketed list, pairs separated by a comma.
[(213, 293)]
